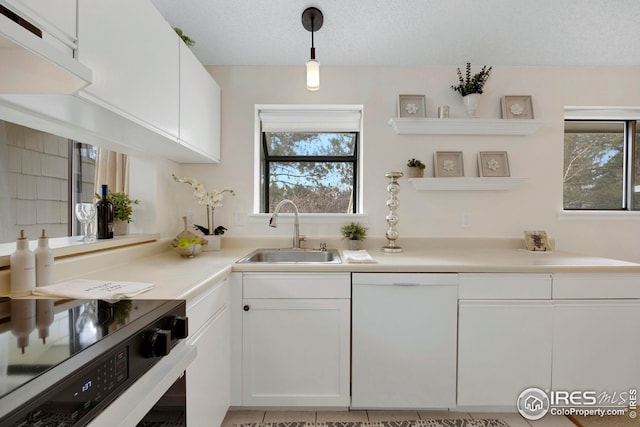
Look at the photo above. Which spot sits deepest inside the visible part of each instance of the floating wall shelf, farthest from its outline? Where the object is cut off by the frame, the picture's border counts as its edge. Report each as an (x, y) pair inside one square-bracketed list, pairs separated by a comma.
[(465, 183), (409, 126)]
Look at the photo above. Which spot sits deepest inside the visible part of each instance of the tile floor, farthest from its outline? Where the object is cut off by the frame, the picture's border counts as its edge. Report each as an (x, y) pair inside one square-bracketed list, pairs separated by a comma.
[(514, 420)]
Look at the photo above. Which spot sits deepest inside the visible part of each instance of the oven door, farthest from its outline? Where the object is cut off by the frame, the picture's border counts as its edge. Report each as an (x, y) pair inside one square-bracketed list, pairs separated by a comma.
[(156, 385)]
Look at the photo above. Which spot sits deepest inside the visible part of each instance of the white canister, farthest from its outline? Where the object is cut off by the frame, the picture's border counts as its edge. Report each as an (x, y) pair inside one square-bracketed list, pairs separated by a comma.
[(44, 261), (23, 268)]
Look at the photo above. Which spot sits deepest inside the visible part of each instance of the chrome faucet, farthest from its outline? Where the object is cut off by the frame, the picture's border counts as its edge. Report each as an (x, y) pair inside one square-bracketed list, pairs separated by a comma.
[(296, 224)]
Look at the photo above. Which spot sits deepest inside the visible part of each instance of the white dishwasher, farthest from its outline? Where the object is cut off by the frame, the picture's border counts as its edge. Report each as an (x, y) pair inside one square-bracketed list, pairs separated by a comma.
[(404, 328)]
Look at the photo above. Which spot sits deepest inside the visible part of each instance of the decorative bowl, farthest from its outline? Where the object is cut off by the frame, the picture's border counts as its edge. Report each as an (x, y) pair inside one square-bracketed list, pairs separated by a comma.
[(188, 247)]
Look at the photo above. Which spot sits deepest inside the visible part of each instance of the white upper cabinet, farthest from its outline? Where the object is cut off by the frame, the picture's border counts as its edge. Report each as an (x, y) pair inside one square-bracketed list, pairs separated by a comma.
[(199, 106), (134, 55), (55, 17), (37, 42)]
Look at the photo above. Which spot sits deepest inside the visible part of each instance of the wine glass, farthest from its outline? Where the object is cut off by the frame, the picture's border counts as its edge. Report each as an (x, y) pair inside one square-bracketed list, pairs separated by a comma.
[(85, 212)]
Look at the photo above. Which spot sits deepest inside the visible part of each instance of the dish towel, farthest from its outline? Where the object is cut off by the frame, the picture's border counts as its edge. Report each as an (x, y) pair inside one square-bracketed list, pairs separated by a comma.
[(93, 289), (358, 257)]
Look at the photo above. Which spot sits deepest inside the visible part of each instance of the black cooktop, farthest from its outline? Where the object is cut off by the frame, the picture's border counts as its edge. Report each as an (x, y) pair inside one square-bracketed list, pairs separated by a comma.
[(38, 334)]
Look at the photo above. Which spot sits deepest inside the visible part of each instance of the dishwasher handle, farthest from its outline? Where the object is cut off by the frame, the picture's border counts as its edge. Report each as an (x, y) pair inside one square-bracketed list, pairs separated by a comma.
[(404, 279)]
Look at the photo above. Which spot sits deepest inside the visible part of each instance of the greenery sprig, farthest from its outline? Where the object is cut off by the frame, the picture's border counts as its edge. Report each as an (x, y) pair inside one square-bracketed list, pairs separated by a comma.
[(469, 84), (122, 208), (185, 38), (354, 231)]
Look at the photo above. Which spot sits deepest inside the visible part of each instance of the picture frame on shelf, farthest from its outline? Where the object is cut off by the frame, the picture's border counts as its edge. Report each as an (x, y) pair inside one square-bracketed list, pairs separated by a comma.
[(448, 164), (493, 164), (412, 106), (537, 241), (516, 107)]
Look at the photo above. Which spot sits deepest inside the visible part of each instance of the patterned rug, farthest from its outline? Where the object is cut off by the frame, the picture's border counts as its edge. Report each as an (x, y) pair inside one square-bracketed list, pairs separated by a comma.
[(457, 422), (609, 421)]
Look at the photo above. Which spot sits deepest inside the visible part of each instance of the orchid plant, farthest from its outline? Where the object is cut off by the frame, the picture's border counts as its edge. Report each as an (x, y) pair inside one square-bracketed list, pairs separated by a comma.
[(212, 199)]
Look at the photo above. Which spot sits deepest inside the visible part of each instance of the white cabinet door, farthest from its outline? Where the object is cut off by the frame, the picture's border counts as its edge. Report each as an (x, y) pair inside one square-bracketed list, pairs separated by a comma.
[(134, 55), (295, 352), (596, 345), (199, 106), (504, 347), (208, 387)]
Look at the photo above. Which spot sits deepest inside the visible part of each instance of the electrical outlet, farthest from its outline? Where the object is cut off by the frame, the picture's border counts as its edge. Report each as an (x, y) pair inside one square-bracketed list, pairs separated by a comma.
[(465, 220), (238, 219)]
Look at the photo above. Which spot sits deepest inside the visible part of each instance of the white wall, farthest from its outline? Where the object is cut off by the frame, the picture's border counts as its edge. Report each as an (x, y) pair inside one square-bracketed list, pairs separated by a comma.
[(534, 205)]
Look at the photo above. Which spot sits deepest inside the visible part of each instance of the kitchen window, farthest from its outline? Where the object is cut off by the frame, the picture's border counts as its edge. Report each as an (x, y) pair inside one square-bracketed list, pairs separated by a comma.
[(601, 165), (310, 155)]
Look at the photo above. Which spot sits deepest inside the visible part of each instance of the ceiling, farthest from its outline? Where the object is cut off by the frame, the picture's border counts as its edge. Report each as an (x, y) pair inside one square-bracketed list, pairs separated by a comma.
[(412, 32)]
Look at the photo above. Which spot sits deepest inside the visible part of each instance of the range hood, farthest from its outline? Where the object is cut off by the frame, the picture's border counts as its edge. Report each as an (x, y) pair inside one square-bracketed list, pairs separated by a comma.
[(30, 65)]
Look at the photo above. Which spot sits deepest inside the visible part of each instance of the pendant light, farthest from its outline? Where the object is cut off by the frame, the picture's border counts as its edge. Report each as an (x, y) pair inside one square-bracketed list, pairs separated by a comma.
[(312, 21)]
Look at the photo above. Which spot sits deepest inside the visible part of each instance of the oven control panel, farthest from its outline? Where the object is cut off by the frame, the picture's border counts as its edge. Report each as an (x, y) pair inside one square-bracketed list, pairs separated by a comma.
[(82, 394)]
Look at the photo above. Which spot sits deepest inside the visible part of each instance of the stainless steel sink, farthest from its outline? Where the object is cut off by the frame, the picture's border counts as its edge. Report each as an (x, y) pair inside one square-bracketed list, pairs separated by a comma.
[(293, 256)]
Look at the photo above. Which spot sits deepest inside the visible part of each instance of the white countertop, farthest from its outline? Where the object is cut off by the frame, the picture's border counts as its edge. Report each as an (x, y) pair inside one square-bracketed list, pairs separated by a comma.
[(175, 277)]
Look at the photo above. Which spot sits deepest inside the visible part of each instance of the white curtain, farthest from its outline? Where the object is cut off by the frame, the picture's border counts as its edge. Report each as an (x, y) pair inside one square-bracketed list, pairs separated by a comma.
[(112, 168)]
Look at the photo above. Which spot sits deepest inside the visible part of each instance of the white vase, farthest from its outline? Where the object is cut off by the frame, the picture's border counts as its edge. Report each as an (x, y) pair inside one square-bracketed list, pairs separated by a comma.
[(120, 228), (354, 245), (214, 243), (413, 172), (471, 103)]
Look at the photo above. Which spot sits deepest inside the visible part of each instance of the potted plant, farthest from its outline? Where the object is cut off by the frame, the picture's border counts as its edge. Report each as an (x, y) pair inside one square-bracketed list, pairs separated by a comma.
[(185, 38), (355, 233), (212, 199), (416, 168), (122, 210), (470, 87)]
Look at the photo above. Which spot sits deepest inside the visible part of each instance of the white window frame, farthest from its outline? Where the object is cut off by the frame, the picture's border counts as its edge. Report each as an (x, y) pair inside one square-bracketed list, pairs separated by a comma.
[(600, 113), (308, 117)]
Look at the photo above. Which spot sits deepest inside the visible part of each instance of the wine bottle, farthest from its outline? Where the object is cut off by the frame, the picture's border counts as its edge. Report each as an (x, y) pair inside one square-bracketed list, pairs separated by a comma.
[(104, 210)]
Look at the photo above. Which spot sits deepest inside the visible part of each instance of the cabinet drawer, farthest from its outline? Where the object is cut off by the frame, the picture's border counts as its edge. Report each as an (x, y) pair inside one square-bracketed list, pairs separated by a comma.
[(596, 285), (295, 285), (206, 305), (504, 286)]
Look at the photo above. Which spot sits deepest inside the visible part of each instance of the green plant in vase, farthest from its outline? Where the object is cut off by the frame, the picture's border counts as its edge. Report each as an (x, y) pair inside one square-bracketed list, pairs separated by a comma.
[(355, 233), (122, 210), (471, 86), (416, 168)]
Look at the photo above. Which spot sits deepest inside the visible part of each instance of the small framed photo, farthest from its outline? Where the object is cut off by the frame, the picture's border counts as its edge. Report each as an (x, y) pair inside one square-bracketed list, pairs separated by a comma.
[(447, 164), (412, 106), (493, 163), (517, 107), (537, 241)]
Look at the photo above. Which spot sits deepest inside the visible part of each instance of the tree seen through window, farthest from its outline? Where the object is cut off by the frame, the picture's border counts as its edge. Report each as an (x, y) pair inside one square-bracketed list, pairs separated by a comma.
[(316, 170)]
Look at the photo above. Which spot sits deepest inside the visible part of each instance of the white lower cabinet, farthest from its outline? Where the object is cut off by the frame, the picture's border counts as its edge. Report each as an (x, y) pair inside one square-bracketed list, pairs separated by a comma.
[(504, 347), (595, 332), (596, 345), (208, 376), (504, 338), (296, 339)]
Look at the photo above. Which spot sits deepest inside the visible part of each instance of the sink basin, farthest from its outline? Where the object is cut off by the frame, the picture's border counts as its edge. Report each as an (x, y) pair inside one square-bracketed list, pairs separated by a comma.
[(293, 256)]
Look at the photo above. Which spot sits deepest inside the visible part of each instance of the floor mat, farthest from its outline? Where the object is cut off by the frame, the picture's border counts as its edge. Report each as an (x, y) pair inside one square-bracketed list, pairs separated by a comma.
[(457, 422)]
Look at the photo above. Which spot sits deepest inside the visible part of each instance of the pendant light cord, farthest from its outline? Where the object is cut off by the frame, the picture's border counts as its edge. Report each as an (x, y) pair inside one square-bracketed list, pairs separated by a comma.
[(313, 49)]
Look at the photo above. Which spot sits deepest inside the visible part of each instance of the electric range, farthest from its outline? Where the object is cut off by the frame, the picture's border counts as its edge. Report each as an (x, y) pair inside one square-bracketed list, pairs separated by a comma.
[(62, 362)]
